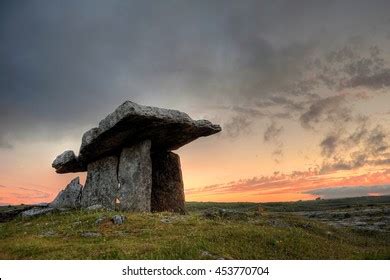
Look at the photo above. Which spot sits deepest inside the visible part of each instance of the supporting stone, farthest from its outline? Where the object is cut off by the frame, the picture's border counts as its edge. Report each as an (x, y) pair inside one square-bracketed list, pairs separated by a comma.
[(167, 189), (135, 178), (101, 184)]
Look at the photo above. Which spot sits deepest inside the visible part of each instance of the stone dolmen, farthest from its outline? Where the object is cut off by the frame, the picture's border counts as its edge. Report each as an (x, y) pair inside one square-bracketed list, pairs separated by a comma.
[(129, 162)]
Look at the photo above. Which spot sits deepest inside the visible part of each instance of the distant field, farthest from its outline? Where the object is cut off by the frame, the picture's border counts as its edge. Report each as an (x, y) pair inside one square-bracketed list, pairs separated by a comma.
[(296, 206), (208, 231)]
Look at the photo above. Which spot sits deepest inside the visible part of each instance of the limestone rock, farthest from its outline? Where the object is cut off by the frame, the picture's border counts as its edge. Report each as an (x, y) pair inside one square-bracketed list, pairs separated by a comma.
[(37, 212), (220, 213), (101, 184), (118, 219), (131, 123), (90, 234), (167, 189), (70, 196), (68, 162), (135, 178)]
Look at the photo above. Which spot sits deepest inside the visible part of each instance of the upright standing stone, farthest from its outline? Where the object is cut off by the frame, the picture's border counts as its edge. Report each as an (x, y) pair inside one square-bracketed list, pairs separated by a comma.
[(168, 189), (102, 183), (70, 196), (135, 177)]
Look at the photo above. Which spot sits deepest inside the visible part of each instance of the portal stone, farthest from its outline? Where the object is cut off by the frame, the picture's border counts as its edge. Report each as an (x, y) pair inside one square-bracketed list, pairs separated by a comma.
[(135, 178), (101, 184), (168, 188)]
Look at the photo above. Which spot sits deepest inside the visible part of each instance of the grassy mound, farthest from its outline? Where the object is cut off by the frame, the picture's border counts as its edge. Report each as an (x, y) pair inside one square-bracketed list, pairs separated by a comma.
[(252, 234)]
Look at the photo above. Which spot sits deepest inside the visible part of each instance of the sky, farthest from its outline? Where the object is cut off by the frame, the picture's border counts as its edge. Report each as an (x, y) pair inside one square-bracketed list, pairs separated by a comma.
[(300, 88)]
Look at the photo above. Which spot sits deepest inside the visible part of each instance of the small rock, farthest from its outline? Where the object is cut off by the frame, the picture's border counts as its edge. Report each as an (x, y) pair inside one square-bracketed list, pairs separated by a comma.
[(91, 234), (118, 219), (48, 233), (225, 214), (380, 224), (37, 211), (99, 220), (206, 254), (166, 221), (360, 224)]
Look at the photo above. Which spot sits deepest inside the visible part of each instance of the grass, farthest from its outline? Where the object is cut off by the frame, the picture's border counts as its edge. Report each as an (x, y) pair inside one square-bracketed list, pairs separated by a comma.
[(265, 235)]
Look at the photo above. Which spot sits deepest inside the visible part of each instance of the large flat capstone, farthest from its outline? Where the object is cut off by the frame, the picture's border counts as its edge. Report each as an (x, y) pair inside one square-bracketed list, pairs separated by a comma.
[(129, 124), (135, 178)]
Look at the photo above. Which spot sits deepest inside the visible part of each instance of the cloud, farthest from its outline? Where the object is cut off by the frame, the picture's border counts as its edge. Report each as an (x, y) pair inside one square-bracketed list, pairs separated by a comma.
[(272, 135), (237, 125), (272, 132), (329, 145), (294, 185), (355, 191), (366, 145), (331, 109), (96, 54)]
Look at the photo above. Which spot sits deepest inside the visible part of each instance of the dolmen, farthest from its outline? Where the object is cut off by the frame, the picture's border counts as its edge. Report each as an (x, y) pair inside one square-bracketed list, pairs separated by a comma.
[(129, 160)]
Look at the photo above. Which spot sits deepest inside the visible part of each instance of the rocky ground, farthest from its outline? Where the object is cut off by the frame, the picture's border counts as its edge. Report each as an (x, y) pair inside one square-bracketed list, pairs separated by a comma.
[(370, 218), (328, 229)]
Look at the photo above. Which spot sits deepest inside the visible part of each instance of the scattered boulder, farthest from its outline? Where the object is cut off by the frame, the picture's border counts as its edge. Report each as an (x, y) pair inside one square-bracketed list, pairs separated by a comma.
[(118, 219), (90, 234), (36, 211), (48, 233), (99, 220), (69, 197)]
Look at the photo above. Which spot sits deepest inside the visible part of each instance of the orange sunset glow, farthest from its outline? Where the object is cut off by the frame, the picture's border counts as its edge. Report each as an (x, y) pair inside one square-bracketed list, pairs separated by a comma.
[(303, 104)]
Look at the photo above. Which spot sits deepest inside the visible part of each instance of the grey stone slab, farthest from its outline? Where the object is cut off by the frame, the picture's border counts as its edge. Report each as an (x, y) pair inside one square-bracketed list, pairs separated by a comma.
[(70, 196), (135, 178), (168, 188), (101, 184)]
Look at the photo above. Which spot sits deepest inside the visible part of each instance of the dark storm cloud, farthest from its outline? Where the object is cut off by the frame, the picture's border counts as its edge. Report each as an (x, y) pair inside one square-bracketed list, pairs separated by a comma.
[(68, 63)]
